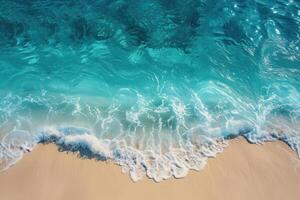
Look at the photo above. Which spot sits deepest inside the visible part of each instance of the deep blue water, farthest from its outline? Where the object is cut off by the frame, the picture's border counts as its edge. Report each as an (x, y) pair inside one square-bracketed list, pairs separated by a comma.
[(156, 85)]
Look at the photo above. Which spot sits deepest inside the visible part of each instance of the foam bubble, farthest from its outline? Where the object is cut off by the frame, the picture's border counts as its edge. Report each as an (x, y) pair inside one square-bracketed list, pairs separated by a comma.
[(157, 165), (138, 163)]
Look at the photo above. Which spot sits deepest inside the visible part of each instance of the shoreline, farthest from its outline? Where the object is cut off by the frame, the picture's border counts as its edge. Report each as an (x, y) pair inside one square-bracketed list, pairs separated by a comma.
[(242, 171)]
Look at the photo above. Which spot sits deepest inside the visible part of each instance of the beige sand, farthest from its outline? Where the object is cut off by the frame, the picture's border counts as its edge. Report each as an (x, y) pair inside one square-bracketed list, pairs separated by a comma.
[(243, 171)]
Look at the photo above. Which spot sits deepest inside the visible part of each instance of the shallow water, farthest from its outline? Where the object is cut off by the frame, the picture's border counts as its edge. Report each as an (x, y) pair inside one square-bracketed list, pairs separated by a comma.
[(157, 86)]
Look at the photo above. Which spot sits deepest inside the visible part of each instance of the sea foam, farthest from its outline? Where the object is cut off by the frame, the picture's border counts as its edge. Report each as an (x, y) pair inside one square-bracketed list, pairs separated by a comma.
[(136, 162)]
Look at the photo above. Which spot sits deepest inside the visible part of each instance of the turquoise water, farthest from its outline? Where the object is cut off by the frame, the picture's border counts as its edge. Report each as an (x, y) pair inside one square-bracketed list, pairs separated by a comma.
[(158, 86)]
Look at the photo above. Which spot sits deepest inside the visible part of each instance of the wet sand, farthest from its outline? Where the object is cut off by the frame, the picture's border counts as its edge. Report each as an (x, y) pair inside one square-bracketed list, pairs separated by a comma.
[(243, 171)]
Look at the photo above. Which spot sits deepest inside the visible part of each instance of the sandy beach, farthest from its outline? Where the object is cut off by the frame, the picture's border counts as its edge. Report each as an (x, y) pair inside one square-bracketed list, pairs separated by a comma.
[(242, 171)]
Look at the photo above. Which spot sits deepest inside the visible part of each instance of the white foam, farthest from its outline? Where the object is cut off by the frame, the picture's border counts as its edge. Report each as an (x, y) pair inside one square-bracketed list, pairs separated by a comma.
[(138, 163), (157, 165)]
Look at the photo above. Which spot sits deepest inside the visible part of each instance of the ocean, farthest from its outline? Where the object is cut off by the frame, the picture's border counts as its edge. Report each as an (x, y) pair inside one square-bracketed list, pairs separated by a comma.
[(156, 86)]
